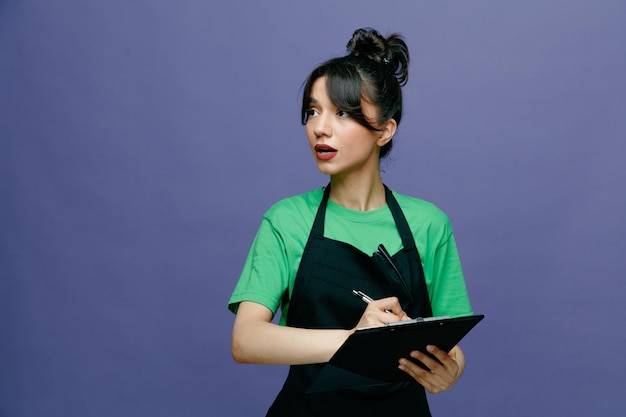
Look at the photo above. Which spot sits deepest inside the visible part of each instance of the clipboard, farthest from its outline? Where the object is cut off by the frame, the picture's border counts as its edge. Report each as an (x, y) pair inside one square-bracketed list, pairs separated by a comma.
[(369, 357)]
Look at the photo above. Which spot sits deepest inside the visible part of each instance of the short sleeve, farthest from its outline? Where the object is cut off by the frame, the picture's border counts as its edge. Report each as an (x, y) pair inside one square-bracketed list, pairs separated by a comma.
[(265, 275), (448, 292)]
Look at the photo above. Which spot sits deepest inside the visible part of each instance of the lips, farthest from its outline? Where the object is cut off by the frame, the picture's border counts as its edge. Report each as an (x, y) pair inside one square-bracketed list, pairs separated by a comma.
[(325, 152)]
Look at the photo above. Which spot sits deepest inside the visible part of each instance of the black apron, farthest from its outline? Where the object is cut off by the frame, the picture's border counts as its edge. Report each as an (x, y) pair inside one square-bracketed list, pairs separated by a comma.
[(322, 298)]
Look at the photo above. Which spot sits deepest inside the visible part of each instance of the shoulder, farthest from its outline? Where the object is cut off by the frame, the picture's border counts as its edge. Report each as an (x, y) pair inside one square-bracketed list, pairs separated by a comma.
[(295, 210), (423, 208), (423, 213)]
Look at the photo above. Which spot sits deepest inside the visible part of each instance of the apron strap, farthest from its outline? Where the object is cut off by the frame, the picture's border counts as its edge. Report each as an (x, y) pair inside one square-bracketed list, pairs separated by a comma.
[(318, 224), (402, 225)]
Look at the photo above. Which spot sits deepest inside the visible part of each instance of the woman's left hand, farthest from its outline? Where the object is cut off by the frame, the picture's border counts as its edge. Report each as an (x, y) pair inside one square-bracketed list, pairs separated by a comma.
[(443, 373)]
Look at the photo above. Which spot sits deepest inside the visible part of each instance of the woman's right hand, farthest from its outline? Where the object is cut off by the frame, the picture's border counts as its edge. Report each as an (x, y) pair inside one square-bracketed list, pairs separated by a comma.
[(381, 312)]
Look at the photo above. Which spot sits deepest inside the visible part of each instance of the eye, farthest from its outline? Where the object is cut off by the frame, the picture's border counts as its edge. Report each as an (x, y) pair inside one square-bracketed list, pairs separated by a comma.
[(343, 114), (310, 113)]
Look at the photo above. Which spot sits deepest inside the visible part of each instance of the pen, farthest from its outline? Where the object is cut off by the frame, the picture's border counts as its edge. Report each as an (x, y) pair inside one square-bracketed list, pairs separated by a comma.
[(366, 298), (383, 252)]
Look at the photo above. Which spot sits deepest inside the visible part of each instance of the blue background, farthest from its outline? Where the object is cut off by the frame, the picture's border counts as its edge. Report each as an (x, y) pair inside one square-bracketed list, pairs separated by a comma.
[(141, 141)]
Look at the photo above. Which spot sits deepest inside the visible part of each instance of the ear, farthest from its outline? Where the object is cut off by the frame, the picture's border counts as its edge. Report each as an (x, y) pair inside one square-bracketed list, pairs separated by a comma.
[(387, 132)]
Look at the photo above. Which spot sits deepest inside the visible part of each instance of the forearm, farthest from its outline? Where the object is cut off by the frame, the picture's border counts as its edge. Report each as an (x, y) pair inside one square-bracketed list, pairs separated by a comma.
[(267, 343), (256, 340)]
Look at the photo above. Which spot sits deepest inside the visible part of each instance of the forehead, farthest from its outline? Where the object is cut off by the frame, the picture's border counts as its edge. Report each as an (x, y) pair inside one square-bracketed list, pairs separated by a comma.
[(319, 92)]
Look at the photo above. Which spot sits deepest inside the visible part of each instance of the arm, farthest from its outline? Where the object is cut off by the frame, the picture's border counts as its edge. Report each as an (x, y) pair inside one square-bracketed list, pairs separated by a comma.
[(256, 340)]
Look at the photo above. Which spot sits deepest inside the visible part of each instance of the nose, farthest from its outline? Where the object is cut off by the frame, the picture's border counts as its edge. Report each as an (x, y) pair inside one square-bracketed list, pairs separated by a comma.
[(322, 126)]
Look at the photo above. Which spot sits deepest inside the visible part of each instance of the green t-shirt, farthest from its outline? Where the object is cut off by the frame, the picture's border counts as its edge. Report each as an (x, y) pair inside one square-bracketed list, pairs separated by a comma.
[(275, 255)]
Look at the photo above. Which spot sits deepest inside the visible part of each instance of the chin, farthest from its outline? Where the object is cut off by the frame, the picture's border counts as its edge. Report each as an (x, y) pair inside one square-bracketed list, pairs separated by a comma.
[(325, 170)]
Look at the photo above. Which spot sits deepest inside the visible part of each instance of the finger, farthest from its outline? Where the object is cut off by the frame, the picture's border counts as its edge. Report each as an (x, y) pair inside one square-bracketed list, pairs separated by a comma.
[(373, 316), (418, 373), (392, 304), (447, 369), (433, 383), (452, 353), (431, 363), (442, 356)]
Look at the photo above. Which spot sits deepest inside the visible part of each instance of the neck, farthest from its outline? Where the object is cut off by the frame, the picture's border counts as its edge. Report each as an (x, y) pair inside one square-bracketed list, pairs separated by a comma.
[(363, 194)]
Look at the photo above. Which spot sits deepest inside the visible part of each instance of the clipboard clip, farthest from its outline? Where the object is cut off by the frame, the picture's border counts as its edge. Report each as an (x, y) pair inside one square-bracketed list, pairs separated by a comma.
[(417, 320)]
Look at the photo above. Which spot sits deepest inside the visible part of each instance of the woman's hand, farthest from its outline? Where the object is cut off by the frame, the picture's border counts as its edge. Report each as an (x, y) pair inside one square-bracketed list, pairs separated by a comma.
[(444, 371), (381, 312)]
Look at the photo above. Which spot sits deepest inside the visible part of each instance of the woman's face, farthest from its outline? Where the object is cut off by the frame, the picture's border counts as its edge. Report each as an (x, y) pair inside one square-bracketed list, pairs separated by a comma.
[(340, 145)]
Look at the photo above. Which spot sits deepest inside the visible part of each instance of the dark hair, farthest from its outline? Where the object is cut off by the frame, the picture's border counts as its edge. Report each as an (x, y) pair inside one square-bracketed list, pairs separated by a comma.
[(374, 70)]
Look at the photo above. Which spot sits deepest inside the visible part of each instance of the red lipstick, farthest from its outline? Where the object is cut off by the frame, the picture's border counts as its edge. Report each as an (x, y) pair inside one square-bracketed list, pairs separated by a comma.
[(325, 152)]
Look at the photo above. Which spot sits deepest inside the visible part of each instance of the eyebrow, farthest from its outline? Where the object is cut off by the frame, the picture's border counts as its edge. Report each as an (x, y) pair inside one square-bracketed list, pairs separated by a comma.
[(312, 100)]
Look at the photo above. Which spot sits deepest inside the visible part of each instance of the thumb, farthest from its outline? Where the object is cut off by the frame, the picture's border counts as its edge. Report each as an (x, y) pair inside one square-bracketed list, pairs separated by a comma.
[(404, 317)]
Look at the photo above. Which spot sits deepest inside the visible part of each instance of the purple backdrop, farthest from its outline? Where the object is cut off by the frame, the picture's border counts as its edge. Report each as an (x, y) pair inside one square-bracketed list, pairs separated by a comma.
[(141, 141)]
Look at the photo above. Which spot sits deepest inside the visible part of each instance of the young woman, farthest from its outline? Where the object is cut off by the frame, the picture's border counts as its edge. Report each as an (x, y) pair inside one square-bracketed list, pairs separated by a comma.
[(313, 249)]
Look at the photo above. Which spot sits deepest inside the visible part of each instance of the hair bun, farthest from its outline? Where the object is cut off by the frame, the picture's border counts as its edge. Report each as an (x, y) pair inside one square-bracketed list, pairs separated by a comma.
[(391, 51), (369, 44)]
